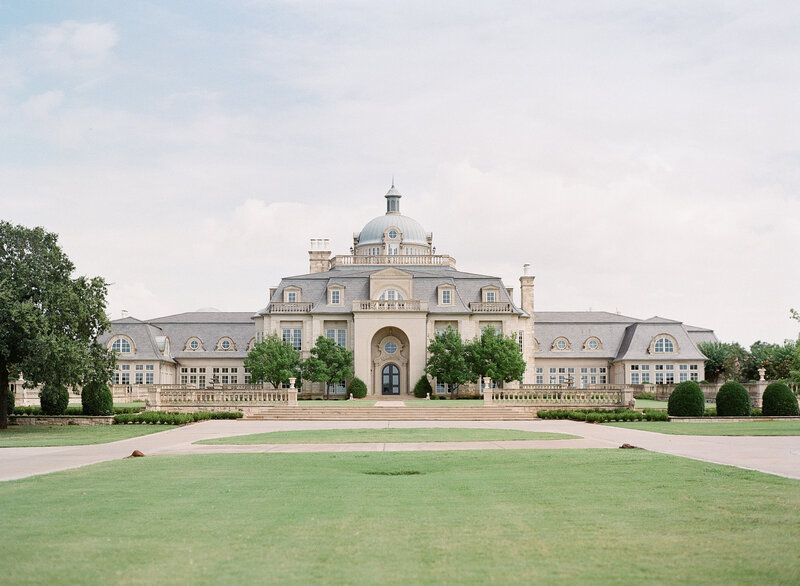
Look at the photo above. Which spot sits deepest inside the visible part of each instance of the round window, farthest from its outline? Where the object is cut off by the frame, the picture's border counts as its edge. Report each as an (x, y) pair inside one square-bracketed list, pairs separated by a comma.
[(390, 347), (194, 344), (226, 344), (561, 344), (392, 233), (593, 344)]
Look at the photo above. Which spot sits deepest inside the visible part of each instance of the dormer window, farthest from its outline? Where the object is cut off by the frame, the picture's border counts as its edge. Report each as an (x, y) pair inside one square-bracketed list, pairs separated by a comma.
[(445, 295), (392, 234), (663, 345), (291, 295), (560, 344), (592, 344), (391, 295), (336, 297), (121, 346), (194, 344), (225, 344), (490, 296)]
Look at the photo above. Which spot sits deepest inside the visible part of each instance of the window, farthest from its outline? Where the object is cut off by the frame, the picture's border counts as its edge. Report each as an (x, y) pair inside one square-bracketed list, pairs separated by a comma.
[(442, 388), (634, 378), (520, 338), (561, 343), (226, 344), (338, 335), (663, 345), (194, 344), (149, 378), (447, 297), (539, 379), (337, 388), (294, 337), (336, 297), (684, 376), (684, 367), (490, 297), (392, 234), (552, 369), (390, 295), (390, 347), (539, 370), (121, 345)]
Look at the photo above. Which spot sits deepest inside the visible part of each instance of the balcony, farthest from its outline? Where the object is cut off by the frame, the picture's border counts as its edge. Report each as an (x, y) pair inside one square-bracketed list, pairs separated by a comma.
[(396, 305), (347, 260), (490, 307), (286, 307)]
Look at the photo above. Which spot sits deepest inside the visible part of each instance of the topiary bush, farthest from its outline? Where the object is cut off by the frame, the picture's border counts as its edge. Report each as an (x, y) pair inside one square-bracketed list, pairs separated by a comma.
[(10, 403), (357, 388), (96, 399), (779, 400), (422, 388), (54, 399), (686, 400), (733, 400)]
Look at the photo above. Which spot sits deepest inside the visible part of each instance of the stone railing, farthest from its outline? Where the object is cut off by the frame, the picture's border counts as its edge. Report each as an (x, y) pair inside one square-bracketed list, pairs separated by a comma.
[(490, 307), (235, 397), (396, 305), (393, 259), (127, 393), (287, 307), (560, 396)]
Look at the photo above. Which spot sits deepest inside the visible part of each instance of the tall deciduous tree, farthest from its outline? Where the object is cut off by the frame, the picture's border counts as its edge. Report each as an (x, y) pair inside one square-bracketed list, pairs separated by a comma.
[(48, 321), (447, 360), (329, 363), (274, 361), (496, 356)]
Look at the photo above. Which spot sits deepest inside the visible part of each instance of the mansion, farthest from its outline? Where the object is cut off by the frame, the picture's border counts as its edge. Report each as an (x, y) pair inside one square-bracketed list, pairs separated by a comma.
[(385, 301)]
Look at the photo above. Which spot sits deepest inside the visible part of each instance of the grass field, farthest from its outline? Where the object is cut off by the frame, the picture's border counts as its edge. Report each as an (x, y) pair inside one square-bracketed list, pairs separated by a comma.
[(590, 516), (38, 436), (716, 428), (341, 436), (444, 402)]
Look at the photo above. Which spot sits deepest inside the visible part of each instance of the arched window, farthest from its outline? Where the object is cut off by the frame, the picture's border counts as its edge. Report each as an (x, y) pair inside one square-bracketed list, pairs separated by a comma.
[(391, 295), (560, 343), (121, 345), (663, 345)]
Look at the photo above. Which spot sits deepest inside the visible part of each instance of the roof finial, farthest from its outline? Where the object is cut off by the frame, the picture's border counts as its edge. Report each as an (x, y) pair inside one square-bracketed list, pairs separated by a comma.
[(392, 179)]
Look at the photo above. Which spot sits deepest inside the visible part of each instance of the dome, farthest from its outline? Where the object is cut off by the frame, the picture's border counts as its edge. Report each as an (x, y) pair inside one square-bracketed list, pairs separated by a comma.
[(412, 231)]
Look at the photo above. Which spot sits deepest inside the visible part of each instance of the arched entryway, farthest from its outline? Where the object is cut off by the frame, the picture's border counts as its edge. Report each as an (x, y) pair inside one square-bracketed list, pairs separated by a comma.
[(390, 362), (390, 379)]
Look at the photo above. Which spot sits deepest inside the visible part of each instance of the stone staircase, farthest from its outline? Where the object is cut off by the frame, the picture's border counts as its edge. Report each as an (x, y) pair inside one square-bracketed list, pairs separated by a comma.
[(398, 413)]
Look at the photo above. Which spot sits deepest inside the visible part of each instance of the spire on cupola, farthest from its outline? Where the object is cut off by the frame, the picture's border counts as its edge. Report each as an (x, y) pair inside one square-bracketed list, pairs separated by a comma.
[(393, 200)]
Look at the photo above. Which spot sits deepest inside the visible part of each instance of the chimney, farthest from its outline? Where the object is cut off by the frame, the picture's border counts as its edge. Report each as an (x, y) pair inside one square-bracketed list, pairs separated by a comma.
[(526, 289), (319, 255)]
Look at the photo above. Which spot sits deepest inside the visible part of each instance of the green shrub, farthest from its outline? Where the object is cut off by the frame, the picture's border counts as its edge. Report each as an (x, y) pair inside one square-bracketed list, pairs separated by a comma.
[(127, 409), (686, 400), (10, 402), (54, 399), (645, 395), (710, 412), (733, 400), (655, 415), (96, 399), (422, 388), (779, 400), (755, 412), (357, 388)]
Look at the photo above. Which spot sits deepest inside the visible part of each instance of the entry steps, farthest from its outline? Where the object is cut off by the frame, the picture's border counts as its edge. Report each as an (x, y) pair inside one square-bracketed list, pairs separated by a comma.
[(331, 413)]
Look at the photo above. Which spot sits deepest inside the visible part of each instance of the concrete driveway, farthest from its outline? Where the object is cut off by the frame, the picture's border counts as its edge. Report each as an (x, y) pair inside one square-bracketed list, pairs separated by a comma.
[(773, 455)]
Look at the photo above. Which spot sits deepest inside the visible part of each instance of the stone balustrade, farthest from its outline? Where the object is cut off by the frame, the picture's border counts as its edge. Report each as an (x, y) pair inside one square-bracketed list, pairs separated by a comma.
[(394, 305), (287, 307), (556, 395), (490, 307), (393, 259), (233, 397)]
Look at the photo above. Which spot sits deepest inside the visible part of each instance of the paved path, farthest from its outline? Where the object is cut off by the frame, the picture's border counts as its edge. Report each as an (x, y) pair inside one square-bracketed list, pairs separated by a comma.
[(773, 455)]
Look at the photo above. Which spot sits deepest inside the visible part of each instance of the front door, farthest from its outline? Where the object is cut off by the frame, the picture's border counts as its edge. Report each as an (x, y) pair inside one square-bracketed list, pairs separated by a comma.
[(390, 381)]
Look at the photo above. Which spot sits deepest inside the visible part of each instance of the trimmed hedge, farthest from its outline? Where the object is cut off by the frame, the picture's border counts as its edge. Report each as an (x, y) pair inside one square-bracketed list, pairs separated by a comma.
[(779, 400), (357, 388), (686, 400), (10, 402), (645, 395), (733, 400), (423, 387), (96, 399), (54, 399), (167, 418)]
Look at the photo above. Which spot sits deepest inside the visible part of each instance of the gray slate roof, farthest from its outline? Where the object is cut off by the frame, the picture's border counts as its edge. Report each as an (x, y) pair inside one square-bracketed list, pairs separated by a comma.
[(355, 280)]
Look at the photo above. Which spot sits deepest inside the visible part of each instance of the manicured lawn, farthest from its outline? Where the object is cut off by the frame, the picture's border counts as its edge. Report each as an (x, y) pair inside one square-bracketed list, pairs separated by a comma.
[(38, 436), (343, 436), (139, 404), (650, 404), (587, 516), (716, 428)]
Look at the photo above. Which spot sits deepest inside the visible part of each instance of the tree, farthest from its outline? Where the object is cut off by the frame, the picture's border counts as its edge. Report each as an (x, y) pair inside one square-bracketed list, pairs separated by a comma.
[(447, 359), (776, 359), (48, 321), (496, 356), (274, 361), (723, 360), (328, 363)]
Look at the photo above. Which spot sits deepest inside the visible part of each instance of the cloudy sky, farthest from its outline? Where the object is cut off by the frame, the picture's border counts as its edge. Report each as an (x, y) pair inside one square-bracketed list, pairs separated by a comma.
[(643, 157)]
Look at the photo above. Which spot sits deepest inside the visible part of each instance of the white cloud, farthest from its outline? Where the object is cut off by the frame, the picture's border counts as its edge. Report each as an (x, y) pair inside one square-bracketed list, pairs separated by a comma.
[(72, 44), (42, 104)]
